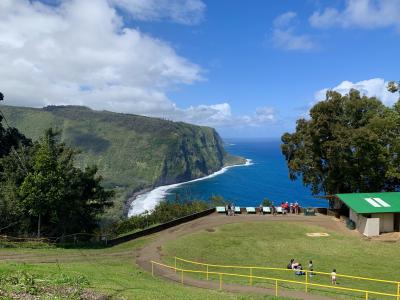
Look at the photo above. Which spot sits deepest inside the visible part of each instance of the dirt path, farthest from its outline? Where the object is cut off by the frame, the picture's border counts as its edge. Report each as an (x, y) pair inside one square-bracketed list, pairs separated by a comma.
[(153, 251)]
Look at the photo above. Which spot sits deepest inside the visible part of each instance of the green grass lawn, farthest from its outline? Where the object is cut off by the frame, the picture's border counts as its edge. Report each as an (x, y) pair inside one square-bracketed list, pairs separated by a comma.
[(111, 271), (273, 244)]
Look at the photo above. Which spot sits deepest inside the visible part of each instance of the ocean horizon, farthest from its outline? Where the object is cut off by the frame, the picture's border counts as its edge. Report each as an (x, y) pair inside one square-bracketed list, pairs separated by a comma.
[(265, 175)]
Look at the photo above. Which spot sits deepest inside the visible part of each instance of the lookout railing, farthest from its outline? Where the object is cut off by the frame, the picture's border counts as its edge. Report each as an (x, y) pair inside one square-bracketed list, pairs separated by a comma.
[(251, 274)]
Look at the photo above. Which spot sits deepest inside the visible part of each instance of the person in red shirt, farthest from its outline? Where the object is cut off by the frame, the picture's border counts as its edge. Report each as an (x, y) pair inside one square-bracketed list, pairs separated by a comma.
[(296, 208)]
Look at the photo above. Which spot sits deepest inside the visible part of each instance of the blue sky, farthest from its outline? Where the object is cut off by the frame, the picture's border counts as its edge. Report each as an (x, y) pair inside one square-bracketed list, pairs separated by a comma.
[(248, 68)]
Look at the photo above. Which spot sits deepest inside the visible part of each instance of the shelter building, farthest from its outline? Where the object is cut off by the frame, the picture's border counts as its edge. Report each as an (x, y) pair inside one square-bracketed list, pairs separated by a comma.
[(372, 213)]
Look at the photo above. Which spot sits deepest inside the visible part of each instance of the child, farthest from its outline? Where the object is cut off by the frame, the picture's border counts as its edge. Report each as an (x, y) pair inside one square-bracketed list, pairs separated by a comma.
[(333, 277), (311, 268)]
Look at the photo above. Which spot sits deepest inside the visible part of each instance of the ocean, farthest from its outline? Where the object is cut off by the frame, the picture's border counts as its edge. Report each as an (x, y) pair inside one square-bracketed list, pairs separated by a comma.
[(265, 175)]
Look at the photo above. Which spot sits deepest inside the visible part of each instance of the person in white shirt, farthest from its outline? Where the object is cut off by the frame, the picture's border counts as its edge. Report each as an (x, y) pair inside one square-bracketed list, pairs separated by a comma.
[(333, 277)]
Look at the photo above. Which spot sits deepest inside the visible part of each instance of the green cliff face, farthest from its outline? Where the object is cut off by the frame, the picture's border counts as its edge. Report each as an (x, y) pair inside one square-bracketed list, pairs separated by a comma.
[(132, 152)]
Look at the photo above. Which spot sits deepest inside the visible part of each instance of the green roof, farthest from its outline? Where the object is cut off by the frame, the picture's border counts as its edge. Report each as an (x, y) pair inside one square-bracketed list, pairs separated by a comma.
[(365, 203)]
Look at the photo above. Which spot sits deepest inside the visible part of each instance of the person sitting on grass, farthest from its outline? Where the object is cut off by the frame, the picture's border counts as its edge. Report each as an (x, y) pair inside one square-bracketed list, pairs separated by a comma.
[(333, 277), (290, 264), (294, 265), (299, 270)]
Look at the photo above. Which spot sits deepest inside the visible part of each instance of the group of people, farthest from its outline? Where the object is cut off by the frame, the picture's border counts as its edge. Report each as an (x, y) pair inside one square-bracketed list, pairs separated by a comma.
[(230, 209), (292, 208), (298, 269)]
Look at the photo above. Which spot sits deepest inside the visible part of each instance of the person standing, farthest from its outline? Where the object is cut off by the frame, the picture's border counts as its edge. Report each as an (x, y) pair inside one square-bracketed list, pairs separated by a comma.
[(233, 209), (333, 277), (273, 209), (286, 207), (296, 208)]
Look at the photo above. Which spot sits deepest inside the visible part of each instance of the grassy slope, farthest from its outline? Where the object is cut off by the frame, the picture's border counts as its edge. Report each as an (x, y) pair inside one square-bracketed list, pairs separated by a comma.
[(132, 152), (273, 244), (112, 271)]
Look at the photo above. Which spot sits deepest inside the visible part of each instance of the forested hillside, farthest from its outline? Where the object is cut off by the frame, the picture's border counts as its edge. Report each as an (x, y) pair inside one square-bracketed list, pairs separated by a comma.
[(132, 152)]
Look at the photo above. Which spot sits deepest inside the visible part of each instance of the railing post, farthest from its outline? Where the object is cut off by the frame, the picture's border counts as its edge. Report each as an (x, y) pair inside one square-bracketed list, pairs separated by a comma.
[(366, 295), (152, 269), (251, 276), (276, 288), (182, 276), (207, 272), (220, 281), (306, 281), (398, 291), (175, 264)]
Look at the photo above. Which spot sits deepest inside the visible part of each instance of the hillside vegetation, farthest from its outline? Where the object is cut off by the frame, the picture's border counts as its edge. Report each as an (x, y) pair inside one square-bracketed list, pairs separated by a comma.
[(56, 273), (132, 152)]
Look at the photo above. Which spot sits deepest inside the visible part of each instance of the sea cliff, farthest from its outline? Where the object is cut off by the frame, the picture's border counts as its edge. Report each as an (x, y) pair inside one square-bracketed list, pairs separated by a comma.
[(132, 152)]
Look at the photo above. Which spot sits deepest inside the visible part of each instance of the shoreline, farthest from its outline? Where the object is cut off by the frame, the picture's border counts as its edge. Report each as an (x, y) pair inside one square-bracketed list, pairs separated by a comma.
[(146, 200)]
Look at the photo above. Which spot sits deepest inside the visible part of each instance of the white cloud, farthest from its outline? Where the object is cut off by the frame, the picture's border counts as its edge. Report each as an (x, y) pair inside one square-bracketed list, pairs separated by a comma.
[(375, 87), (187, 12), (360, 13), (220, 115), (81, 53), (284, 34)]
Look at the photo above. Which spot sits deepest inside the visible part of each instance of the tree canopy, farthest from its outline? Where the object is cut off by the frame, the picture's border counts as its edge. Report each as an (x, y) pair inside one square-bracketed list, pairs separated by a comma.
[(11, 138), (351, 143), (41, 190)]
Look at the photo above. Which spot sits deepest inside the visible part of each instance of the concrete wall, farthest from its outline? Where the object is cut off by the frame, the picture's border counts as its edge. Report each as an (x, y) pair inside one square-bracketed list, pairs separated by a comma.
[(386, 222), (371, 227), (367, 226), (353, 216)]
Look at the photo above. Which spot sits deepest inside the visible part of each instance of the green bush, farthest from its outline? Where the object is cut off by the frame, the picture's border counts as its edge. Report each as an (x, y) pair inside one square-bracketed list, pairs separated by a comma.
[(266, 202), (164, 212)]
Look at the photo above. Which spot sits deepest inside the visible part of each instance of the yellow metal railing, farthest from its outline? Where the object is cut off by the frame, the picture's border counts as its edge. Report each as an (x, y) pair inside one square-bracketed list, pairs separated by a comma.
[(276, 281)]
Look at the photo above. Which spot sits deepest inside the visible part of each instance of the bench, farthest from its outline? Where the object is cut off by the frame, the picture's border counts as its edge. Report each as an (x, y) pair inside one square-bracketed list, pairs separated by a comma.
[(250, 210), (266, 210), (309, 211), (220, 209)]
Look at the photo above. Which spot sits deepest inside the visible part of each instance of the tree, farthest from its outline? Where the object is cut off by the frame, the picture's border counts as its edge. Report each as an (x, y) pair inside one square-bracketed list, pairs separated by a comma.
[(349, 144), (53, 196), (266, 202), (11, 138), (393, 86), (11, 142)]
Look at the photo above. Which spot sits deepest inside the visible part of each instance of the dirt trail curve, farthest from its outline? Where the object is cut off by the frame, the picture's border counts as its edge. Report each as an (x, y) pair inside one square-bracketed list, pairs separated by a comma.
[(153, 251)]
